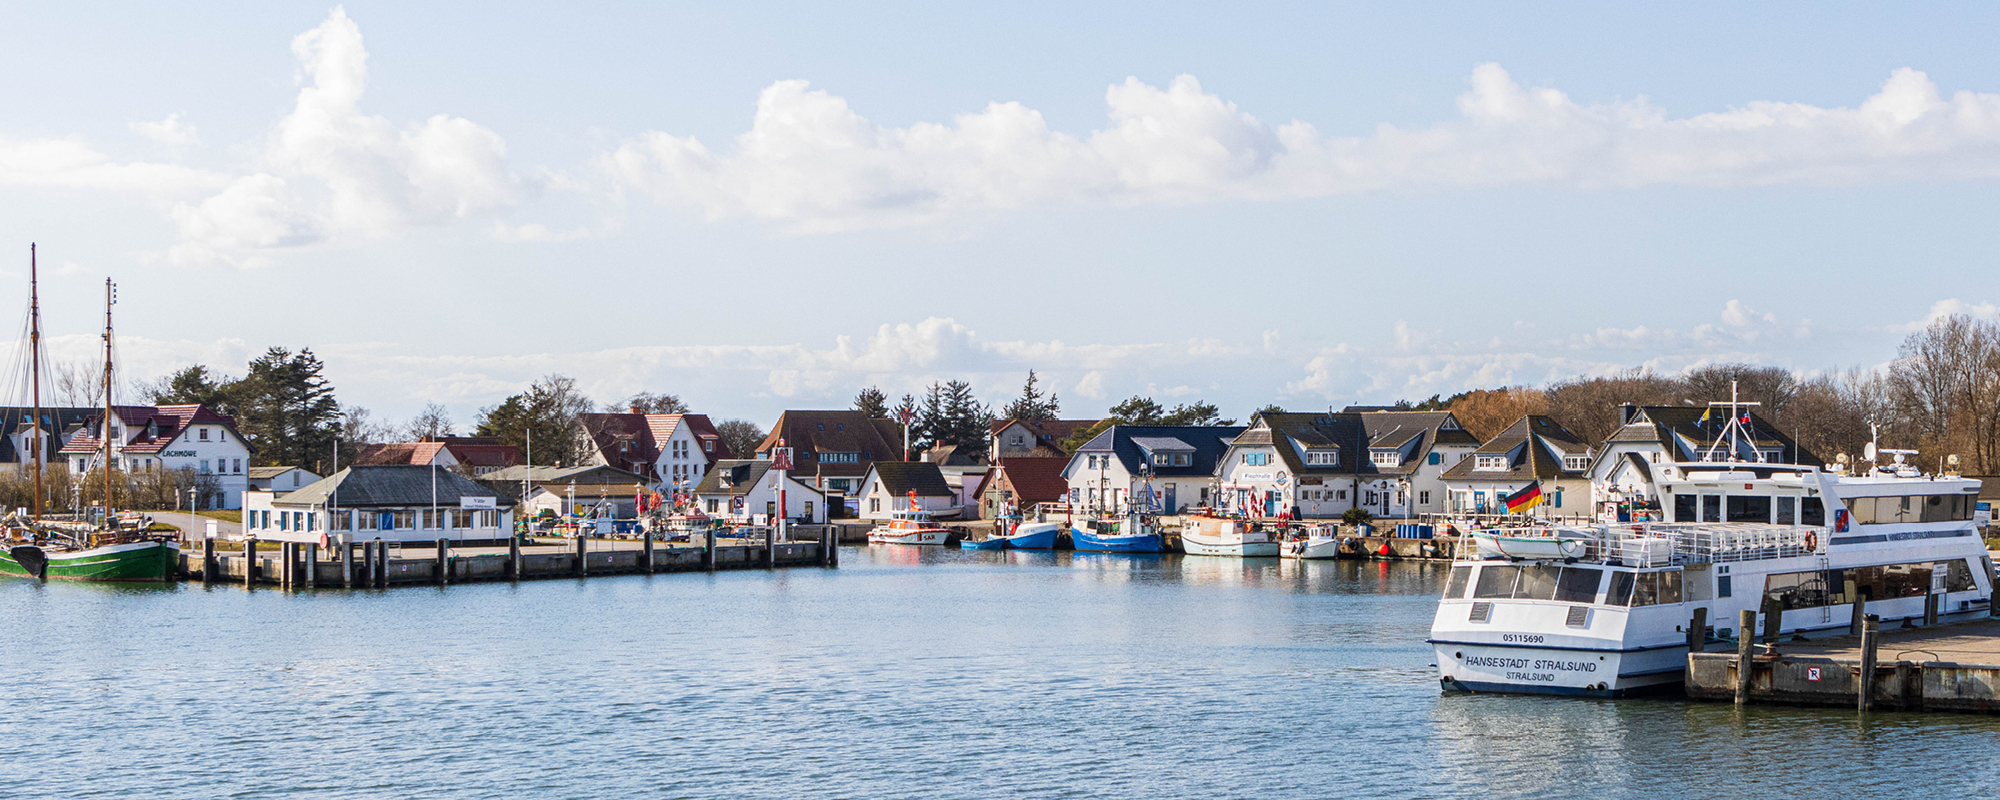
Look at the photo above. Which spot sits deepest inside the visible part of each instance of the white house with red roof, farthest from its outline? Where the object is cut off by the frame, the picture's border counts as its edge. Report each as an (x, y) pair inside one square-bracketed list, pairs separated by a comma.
[(168, 437), (671, 450)]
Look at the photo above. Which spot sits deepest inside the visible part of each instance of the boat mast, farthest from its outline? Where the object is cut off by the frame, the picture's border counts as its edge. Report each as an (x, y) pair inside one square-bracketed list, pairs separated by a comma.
[(35, 375), (109, 298)]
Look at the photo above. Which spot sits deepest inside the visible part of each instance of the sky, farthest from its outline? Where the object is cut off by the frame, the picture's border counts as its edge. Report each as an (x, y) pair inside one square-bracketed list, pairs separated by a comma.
[(762, 206)]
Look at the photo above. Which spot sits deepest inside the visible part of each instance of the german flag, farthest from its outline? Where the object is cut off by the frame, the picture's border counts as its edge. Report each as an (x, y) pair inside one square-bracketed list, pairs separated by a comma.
[(1525, 499)]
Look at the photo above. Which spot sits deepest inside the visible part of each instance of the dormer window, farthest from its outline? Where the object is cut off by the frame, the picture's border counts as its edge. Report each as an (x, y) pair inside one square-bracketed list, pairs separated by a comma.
[(1386, 458), (1323, 458), (1487, 461), (1576, 463)]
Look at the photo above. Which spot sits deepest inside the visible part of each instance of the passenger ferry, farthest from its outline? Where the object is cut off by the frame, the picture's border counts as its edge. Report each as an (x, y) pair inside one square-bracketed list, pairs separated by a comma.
[(1605, 610)]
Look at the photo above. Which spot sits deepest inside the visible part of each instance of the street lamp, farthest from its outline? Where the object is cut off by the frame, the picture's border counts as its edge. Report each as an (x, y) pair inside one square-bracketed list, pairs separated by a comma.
[(191, 493)]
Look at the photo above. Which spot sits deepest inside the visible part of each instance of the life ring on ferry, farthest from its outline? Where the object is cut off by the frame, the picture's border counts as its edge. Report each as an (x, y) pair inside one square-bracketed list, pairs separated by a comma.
[(1811, 541)]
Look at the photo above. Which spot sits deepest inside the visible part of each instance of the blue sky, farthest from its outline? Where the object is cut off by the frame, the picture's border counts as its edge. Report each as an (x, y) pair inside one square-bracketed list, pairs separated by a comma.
[(763, 206)]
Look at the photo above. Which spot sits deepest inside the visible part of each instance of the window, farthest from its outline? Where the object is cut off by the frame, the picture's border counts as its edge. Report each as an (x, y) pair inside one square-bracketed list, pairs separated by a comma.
[(1486, 461), (1749, 508), (1256, 459), (204, 434), (1163, 459), (1424, 498), (1711, 508), (1183, 459), (204, 466), (1835, 587), (1340, 495), (1812, 512), (1578, 585), (1436, 458), (284, 521), (1788, 510), (343, 520), (1496, 581), (1455, 588), (1323, 458), (1386, 458), (1644, 588), (238, 466), (1576, 463), (708, 446), (875, 503)]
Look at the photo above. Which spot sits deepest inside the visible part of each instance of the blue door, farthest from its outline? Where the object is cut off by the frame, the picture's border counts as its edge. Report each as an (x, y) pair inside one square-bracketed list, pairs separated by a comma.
[(1270, 503)]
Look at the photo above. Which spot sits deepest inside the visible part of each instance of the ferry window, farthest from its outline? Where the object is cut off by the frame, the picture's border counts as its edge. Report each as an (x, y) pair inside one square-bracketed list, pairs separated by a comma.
[(1722, 586), (1645, 589), (1936, 509), (1788, 513), (1670, 587), (1495, 581), (1621, 589), (1684, 508), (1863, 509), (1812, 512), (1711, 508), (1537, 583), (1455, 588), (1749, 508), (1906, 508), (1579, 585), (1958, 577)]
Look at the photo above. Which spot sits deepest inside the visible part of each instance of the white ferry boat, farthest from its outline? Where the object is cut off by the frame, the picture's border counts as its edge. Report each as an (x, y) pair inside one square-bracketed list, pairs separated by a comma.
[(1605, 610)]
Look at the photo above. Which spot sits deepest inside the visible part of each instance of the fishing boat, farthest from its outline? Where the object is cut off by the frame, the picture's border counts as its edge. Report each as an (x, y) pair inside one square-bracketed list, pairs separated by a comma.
[(1131, 533), (1206, 535), (36, 548), (988, 543), (1034, 536), (1614, 608), (1313, 541), (692, 525), (911, 525)]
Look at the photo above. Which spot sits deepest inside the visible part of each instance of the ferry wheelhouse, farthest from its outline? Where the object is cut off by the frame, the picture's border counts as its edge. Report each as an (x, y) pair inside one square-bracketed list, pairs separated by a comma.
[(1607, 609)]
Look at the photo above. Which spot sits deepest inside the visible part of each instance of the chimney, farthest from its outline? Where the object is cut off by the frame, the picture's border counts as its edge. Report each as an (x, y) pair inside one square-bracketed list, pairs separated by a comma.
[(635, 409), (1626, 411)]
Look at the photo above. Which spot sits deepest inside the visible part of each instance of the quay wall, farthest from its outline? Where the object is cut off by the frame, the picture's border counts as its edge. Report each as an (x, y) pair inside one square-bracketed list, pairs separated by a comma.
[(421, 565), (1819, 681)]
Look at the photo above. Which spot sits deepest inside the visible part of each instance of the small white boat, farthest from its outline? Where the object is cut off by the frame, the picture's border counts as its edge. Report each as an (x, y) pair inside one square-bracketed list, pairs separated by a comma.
[(1317, 541), (909, 526), (1203, 535), (1532, 543)]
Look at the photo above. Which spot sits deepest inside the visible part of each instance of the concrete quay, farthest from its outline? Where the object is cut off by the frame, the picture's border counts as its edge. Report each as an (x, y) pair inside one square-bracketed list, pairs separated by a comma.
[(1950, 667), (379, 564)]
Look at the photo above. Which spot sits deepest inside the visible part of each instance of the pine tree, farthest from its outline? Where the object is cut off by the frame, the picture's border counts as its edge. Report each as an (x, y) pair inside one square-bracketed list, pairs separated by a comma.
[(872, 402), (1032, 404), (286, 409)]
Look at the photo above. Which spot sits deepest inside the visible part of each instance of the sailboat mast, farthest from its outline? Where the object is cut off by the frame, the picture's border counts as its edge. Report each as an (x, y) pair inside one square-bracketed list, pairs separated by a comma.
[(35, 375), (108, 300)]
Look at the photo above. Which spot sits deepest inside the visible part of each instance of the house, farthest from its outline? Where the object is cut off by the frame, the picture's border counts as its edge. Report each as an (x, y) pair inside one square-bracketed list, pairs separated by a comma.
[(1651, 440), (188, 437), (748, 489), (480, 455), (832, 450), (1014, 438), (425, 453), (1020, 483), (1320, 465), (563, 491), (1534, 449), (397, 503), (279, 479), (18, 424), (670, 450), (890, 485), (1178, 465)]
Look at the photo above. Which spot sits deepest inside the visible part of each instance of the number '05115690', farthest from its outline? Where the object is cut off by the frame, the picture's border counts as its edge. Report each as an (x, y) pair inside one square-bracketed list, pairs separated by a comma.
[(1524, 638)]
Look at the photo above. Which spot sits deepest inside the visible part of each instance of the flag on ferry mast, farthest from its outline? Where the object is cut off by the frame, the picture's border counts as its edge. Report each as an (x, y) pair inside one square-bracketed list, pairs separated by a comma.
[(1525, 499)]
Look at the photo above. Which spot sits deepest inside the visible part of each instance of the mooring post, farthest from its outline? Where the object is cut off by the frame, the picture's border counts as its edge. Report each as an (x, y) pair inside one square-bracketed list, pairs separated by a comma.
[(708, 550), (771, 548), (249, 561), (346, 546), (1932, 605), (825, 550), (582, 560), (1774, 619), (312, 565), (1860, 611), (646, 551), (1871, 635), (514, 557), (1746, 641), (381, 564), (207, 560), (833, 553), (1698, 630), (287, 554), (444, 561)]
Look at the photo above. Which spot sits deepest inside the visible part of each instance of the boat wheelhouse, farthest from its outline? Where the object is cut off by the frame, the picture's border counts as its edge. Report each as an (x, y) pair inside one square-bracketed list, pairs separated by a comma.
[(911, 525), (1206, 535), (1609, 609)]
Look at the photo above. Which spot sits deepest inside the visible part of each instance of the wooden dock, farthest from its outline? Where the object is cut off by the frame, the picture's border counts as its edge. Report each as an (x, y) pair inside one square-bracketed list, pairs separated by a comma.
[(1949, 667), (379, 564)]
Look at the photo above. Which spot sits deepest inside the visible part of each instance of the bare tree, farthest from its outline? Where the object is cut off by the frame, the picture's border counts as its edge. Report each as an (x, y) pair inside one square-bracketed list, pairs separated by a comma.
[(1487, 412), (432, 422), (78, 384), (649, 403), (1588, 407), (741, 436), (358, 426), (1944, 382)]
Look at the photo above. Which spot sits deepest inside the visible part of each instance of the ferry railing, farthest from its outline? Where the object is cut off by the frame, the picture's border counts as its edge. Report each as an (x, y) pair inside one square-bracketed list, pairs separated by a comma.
[(1646, 544)]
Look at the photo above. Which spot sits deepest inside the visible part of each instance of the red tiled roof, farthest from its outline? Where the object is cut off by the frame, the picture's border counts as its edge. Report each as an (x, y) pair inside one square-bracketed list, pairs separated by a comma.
[(393, 453), (485, 455), (1035, 480), (168, 421)]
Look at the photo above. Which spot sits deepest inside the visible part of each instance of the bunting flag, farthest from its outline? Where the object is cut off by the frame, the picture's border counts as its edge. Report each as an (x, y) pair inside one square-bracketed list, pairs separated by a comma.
[(1525, 499), (1704, 417)]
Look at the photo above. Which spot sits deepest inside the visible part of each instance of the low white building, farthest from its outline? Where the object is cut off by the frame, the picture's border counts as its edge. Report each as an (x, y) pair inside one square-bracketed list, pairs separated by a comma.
[(891, 485), (280, 479), (747, 490), (169, 437), (391, 503)]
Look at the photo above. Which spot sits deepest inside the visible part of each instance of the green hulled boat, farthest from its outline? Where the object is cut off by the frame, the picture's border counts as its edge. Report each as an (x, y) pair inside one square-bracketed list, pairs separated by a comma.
[(132, 561)]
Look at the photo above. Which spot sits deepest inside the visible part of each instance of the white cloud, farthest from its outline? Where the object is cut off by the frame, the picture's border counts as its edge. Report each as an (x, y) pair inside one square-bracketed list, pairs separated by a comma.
[(1945, 308), (332, 173), (812, 163), (170, 131), (61, 163)]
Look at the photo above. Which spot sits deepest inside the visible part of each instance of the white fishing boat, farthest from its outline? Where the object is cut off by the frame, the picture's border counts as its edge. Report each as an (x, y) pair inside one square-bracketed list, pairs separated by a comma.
[(1203, 535), (1313, 541), (1613, 609)]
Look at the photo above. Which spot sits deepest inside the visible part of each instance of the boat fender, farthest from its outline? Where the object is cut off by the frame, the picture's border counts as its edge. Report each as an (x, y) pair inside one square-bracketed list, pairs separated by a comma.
[(1812, 541)]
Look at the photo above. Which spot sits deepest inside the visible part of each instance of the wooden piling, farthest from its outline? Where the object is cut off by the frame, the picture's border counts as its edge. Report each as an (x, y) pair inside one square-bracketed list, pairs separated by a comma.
[(249, 561), (1871, 640), (582, 559), (1746, 627), (1774, 619), (444, 561), (771, 548), (207, 560), (833, 552), (367, 564), (1932, 605), (287, 558), (708, 550), (381, 564), (1860, 610), (646, 552), (1698, 630), (312, 565), (825, 551), (346, 562), (514, 557)]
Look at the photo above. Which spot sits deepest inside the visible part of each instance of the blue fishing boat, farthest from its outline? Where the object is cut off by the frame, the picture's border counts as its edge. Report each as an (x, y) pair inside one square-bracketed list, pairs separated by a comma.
[(1132, 533), (991, 543), (1033, 536)]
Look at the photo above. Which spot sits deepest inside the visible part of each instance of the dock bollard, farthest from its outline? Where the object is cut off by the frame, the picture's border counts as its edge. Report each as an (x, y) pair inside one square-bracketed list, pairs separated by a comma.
[(367, 564), (1698, 630), (514, 557), (1871, 638), (207, 560), (312, 565), (582, 561), (444, 561), (646, 551), (1746, 640), (249, 561)]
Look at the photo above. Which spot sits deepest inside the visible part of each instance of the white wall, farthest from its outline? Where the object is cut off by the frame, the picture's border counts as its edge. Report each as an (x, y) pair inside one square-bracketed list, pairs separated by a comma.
[(258, 507), (762, 499)]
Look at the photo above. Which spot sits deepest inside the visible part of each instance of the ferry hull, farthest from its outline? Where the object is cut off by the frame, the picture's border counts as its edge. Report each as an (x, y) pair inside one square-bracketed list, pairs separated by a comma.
[(127, 563), (1526, 670)]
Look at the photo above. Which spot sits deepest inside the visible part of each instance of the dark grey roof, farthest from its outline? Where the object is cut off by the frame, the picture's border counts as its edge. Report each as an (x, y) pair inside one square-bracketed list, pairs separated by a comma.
[(734, 476), (391, 485), (1161, 443), (1208, 443), (923, 477), (1660, 424), (259, 473), (56, 422), (540, 475), (1526, 446)]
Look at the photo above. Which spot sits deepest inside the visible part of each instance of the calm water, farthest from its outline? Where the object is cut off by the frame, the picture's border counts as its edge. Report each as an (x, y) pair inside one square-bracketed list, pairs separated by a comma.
[(906, 673)]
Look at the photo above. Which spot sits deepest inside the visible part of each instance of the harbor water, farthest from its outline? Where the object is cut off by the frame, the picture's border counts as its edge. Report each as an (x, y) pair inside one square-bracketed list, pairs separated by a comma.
[(907, 672)]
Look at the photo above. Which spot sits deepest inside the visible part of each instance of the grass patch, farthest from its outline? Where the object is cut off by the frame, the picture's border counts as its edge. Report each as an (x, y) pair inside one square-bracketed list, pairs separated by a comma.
[(224, 515)]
